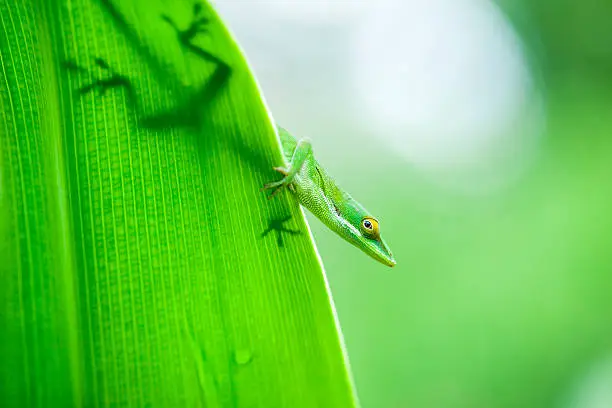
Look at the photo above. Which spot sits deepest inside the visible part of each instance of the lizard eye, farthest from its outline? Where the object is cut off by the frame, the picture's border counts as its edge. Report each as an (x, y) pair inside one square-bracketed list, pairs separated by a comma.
[(369, 227)]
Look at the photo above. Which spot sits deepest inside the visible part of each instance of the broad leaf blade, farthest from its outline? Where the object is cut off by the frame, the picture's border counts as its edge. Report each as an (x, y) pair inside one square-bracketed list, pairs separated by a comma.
[(137, 268)]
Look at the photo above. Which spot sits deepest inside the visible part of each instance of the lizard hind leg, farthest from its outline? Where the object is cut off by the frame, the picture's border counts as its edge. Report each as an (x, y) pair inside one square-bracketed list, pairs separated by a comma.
[(302, 151)]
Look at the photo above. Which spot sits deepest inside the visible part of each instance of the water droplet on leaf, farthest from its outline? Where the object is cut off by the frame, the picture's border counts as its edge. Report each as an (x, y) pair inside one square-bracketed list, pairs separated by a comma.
[(243, 356)]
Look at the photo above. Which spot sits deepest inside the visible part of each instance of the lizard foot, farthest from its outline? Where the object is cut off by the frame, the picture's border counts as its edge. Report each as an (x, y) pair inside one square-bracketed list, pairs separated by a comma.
[(277, 186)]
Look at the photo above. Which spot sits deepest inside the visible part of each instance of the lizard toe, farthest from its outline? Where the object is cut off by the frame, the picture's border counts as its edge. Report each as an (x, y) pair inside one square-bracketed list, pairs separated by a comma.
[(275, 191), (273, 184), (281, 170)]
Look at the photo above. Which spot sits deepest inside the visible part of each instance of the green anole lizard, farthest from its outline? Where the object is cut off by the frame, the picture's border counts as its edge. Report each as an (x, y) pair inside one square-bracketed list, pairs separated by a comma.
[(318, 192)]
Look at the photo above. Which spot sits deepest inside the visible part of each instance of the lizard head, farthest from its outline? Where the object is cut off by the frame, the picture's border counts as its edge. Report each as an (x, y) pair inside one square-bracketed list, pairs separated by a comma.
[(363, 231)]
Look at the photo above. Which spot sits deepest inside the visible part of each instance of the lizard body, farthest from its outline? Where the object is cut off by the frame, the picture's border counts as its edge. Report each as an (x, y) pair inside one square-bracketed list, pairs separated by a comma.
[(318, 192)]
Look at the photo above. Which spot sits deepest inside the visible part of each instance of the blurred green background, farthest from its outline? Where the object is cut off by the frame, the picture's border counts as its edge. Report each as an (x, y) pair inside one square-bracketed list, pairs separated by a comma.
[(480, 135)]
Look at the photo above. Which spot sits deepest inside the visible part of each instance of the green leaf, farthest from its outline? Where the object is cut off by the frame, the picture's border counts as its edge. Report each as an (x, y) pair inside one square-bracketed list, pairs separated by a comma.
[(136, 267)]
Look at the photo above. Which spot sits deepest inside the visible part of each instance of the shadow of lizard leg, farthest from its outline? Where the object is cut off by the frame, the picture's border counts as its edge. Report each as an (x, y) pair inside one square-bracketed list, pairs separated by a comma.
[(102, 85), (277, 226)]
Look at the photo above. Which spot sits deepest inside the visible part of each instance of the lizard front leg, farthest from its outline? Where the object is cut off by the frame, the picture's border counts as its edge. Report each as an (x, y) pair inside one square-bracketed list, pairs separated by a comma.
[(302, 151)]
